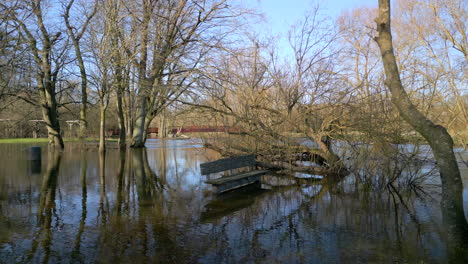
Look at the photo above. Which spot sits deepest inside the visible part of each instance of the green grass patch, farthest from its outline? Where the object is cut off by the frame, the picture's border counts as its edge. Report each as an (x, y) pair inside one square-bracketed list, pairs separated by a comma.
[(45, 140), (23, 140)]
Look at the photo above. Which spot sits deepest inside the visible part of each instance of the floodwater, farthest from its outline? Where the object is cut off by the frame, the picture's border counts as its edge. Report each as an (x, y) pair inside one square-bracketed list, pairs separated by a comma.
[(152, 206)]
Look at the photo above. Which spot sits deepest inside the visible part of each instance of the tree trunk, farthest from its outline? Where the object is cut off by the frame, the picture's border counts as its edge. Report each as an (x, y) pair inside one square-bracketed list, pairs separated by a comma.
[(84, 92), (138, 139), (83, 108), (129, 126), (102, 129), (46, 82), (162, 131), (127, 108), (50, 116), (121, 119), (437, 136), (144, 85), (128, 100), (119, 77), (145, 131)]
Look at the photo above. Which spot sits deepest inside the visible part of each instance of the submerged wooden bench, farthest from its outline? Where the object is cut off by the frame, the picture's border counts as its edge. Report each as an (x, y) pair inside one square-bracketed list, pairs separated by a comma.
[(233, 180)]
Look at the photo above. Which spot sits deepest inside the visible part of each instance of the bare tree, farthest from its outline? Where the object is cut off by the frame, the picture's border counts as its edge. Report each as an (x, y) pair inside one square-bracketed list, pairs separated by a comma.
[(432, 43), (13, 58), (121, 65), (437, 136), (271, 101), (49, 51), (76, 33), (103, 50), (171, 34)]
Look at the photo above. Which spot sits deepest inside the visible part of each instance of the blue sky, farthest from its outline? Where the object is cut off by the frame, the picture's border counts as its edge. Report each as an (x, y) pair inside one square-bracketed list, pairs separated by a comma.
[(279, 15)]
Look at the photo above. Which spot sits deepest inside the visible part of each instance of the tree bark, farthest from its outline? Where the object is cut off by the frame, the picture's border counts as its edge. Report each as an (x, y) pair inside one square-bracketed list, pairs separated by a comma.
[(162, 131), (128, 100), (120, 90), (138, 139), (102, 129), (84, 102), (437, 136), (84, 94), (50, 113), (121, 120)]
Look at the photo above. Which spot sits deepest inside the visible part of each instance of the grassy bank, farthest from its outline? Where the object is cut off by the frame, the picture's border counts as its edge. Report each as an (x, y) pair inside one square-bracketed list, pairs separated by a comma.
[(45, 140)]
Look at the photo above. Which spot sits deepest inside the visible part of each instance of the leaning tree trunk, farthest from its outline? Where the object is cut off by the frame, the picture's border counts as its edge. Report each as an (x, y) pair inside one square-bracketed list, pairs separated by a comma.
[(437, 136), (50, 116)]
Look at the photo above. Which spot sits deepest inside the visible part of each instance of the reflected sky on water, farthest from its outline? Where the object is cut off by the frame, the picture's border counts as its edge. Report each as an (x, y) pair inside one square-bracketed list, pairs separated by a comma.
[(151, 205)]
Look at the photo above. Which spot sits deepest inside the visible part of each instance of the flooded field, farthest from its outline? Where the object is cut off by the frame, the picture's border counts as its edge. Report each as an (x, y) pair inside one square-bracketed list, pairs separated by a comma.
[(152, 206)]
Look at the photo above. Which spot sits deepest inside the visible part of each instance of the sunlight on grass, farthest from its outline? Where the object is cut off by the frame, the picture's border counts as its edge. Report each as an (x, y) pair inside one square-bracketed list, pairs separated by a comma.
[(45, 140)]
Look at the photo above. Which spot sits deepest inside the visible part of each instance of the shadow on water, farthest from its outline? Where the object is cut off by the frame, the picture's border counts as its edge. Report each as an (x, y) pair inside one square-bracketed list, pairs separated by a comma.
[(152, 206)]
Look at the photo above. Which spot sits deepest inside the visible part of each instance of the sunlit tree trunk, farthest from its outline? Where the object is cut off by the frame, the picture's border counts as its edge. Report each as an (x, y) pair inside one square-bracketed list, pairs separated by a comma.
[(102, 129), (138, 139), (50, 115), (162, 132)]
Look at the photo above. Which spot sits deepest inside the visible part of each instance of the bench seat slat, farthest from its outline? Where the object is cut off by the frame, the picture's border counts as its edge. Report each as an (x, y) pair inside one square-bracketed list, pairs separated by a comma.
[(235, 177), (227, 164)]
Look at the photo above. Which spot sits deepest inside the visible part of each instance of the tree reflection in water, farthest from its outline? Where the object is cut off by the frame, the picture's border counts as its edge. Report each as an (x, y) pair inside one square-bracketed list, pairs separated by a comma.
[(456, 229), (103, 201), (47, 207), (78, 240), (152, 206)]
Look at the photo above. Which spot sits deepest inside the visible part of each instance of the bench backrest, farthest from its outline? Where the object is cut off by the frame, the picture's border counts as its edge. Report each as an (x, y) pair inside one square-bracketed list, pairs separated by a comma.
[(227, 164)]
